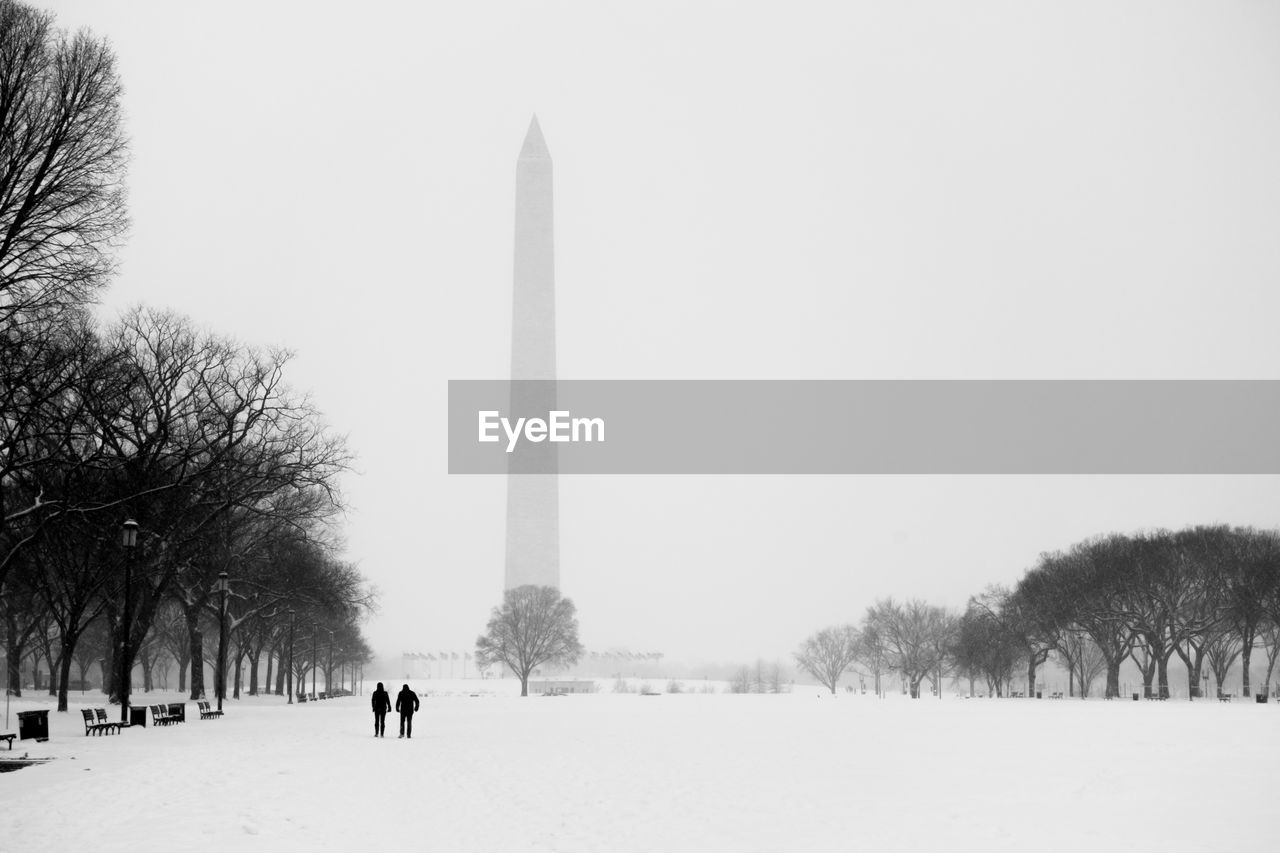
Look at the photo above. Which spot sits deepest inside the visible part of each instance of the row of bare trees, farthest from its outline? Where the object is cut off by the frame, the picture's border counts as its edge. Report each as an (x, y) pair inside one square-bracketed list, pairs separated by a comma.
[(1208, 596), (198, 438), (910, 639)]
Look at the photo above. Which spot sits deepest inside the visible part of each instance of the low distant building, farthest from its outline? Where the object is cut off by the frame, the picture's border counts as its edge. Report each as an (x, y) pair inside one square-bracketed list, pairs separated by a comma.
[(567, 686)]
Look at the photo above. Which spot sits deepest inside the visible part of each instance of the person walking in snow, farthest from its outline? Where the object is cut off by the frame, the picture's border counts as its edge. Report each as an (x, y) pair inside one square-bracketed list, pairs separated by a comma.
[(406, 704), (381, 705)]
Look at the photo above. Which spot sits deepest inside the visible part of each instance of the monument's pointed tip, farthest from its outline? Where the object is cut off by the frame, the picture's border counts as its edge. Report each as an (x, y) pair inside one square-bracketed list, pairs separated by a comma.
[(535, 147)]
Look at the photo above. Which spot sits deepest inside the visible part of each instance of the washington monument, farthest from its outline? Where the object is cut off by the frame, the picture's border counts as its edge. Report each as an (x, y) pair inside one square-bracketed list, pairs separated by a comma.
[(533, 500)]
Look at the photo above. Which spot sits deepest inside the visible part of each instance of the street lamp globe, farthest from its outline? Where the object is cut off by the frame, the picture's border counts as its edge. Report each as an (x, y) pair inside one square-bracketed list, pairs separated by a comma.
[(129, 533)]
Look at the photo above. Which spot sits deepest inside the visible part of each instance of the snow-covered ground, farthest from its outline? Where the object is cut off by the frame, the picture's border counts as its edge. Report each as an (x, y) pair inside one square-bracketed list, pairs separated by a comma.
[(627, 772)]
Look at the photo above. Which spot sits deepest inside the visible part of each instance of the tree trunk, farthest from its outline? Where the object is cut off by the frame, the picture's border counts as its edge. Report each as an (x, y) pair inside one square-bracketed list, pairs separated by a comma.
[(107, 665), (117, 649), (254, 655), (13, 656), (1271, 665), (196, 641), (271, 659), (1162, 674), (64, 666), (1246, 652), (148, 664), (1195, 668), (53, 666)]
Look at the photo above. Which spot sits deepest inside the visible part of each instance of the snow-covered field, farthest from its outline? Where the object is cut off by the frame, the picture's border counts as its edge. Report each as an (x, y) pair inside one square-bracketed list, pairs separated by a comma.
[(626, 772)]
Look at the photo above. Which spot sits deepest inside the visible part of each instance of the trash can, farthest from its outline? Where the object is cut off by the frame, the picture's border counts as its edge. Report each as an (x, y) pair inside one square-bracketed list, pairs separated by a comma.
[(1039, 694), (138, 715), (33, 724), (1261, 698), (1135, 697), (179, 710)]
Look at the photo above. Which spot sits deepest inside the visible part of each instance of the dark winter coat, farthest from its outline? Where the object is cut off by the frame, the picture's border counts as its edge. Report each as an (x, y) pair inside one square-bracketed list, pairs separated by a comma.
[(406, 701), (381, 701)]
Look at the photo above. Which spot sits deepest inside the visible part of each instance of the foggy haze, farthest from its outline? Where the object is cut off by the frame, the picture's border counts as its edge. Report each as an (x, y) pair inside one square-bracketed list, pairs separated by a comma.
[(840, 191)]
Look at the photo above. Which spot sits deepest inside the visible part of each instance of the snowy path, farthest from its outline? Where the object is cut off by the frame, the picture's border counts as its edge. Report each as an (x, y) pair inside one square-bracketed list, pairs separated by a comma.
[(672, 772)]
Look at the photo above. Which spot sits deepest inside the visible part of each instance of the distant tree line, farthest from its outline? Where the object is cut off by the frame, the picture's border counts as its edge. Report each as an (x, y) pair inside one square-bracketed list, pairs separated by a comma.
[(1207, 595), (196, 437)]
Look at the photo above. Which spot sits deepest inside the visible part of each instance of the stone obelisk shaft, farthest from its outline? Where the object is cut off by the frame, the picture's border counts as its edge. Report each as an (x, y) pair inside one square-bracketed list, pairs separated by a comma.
[(533, 501)]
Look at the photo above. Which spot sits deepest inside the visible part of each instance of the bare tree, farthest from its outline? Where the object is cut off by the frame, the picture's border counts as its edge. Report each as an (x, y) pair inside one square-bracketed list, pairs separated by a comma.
[(1146, 663), (1033, 627), (827, 654), (1252, 579), (917, 636), (1084, 587), (984, 645), (532, 627), (1082, 659), (1222, 650), (775, 678), (62, 162), (872, 651), (1270, 636)]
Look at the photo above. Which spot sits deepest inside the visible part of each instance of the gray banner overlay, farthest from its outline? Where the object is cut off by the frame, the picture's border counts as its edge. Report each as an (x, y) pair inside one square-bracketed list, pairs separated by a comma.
[(869, 427)]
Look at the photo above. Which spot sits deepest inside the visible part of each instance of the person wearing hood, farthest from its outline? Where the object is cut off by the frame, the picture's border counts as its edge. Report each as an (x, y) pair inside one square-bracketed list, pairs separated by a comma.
[(406, 704), (381, 705)]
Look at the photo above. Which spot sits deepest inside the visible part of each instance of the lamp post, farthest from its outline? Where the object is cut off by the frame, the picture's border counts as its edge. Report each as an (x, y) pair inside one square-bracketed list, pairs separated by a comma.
[(328, 675), (290, 675), (221, 678), (128, 541), (1080, 659), (314, 657)]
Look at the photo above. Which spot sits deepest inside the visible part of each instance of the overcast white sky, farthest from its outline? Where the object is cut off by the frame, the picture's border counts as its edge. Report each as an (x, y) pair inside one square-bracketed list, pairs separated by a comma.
[(798, 190)]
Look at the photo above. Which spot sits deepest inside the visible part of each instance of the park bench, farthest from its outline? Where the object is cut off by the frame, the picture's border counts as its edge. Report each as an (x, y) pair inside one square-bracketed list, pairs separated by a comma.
[(95, 726), (1224, 697), (206, 712), (161, 717), (101, 715), (9, 736), (1057, 694), (324, 696)]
